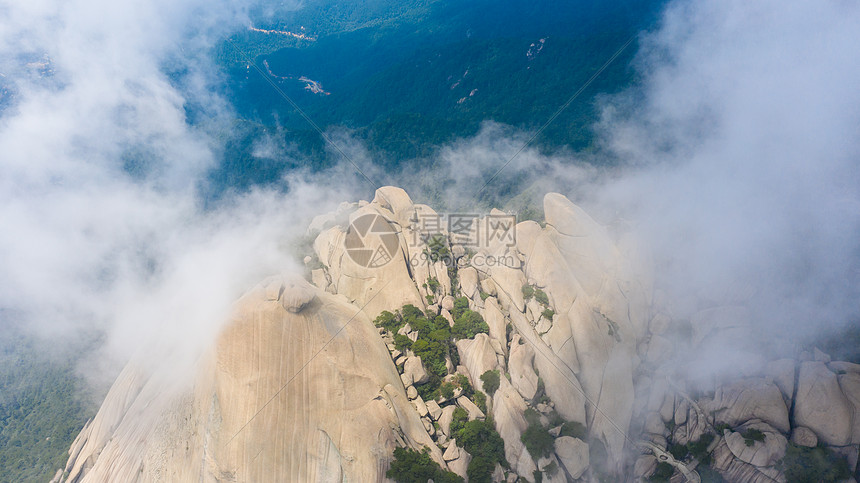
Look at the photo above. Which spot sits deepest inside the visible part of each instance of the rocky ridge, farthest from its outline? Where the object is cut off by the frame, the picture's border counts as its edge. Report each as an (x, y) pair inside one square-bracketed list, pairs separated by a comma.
[(573, 326)]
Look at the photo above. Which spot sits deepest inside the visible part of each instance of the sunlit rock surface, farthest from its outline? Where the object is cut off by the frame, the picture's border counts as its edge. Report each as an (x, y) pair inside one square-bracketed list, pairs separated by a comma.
[(301, 386)]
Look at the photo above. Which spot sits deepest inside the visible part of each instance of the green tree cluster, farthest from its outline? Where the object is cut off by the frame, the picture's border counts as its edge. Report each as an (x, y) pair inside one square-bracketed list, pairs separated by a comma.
[(467, 323), (491, 381), (813, 465), (480, 439), (410, 466)]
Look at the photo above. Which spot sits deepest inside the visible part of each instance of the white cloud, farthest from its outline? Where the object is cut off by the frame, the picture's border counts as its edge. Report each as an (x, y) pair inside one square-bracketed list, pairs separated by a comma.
[(84, 243)]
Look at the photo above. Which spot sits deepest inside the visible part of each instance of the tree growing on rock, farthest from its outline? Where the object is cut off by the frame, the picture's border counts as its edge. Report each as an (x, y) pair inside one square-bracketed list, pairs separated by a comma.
[(491, 381)]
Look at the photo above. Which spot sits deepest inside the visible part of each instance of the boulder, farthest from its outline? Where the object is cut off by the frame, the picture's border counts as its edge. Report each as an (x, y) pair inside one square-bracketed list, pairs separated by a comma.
[(782, 373), (434, 410), (452, 452), (461, 464), (420, 407), (751, 398), (760, 453), (340, 420), (296, 295), (470, 407), (572, 453), (849, 383), (520, 364), (445, 419), (495, 321), (644, 466), (734, 469), (804, 437), (414, 371), (479, 356), (448, 303), (469, 282), (821, 406)]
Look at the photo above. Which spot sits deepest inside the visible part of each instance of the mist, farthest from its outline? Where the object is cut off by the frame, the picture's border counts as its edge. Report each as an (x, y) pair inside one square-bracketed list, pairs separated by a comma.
[(733, 163), (743, 152), (104, 230)]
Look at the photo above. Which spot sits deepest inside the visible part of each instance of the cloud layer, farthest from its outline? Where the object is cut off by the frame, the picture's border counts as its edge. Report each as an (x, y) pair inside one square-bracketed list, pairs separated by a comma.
[(103, 228)]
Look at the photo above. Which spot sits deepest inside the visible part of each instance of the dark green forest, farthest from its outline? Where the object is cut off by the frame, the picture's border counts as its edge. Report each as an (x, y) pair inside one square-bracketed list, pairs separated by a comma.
[(42, 408)]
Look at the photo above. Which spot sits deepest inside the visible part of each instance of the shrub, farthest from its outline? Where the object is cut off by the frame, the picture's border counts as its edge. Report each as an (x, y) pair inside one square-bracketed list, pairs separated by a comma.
[(537, 440), (402, 343), (433, 284), (528, 292), (548, 314), (446, 390), (438, 248), (480, 469), (461, 304), (410, 466), (459, 419), (410, 311), (709, 475), (678, 451), (468, 325), (699, 449), (551, 469), (541, 297), (555, 419), (531, 416), (480, 438), (480, 401), (388, 321), (574, 429), (491, 381), (810, 465), (663, 472), (752, 435), (463, 382)]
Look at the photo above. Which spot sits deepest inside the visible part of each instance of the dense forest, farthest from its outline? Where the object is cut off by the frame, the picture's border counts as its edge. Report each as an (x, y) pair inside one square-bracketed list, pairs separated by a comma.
[(43, 407)]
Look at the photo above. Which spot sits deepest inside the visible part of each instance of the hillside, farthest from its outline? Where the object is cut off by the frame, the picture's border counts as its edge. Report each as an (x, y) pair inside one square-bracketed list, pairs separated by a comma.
[(546, 364)]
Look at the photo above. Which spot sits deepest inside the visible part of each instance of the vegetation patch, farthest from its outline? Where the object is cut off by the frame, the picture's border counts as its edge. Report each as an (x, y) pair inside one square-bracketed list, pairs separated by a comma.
[(537, 439), (485, 445), (480, 401), (410, 466), (663, 472), (752, 435), (491, 381), (812, 465), (574, 430)]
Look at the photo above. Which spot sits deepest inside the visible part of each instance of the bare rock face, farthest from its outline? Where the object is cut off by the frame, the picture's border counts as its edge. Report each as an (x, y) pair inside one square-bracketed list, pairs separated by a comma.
[(751, 398), (573, 455), (601, 312), (759, 453), (381, 287), (253, 413), (296, 295), (804, 437), (523, 376), (821, 406), (414, 371), (734, 469)]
